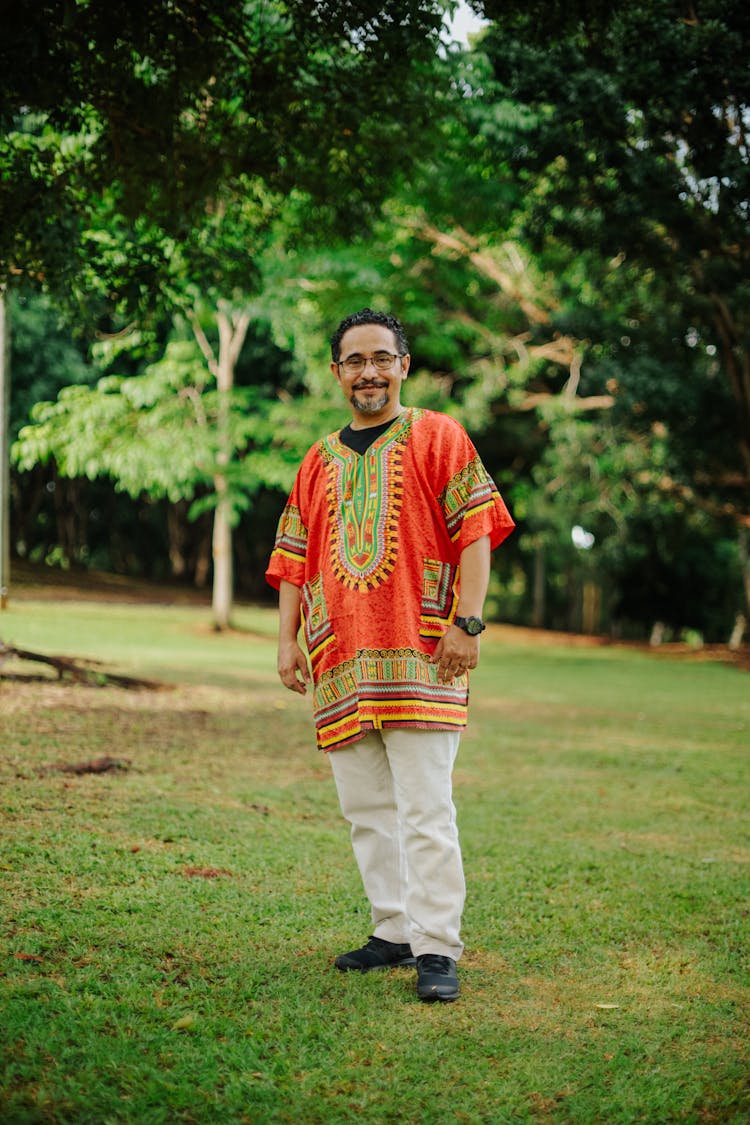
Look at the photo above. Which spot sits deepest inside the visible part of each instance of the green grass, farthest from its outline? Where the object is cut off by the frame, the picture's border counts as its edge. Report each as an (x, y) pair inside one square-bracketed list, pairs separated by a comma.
[(168, 930)]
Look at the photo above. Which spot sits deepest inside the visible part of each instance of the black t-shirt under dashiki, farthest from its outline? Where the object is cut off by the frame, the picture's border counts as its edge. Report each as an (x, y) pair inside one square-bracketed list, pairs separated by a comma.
[(361, 440)]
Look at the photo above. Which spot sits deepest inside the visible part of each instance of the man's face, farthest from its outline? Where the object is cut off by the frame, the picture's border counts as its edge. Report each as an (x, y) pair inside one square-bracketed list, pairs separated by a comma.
[(373, 393)]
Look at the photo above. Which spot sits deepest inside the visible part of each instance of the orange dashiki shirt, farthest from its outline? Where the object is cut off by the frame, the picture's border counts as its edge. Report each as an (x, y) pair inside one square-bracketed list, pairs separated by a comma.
[(373, 541)]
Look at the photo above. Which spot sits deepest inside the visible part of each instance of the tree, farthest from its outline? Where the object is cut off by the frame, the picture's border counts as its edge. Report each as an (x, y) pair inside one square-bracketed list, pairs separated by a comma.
[(602, 515), (531, 348), (166, 433), (165, 105), (4, 456), (271, 100), (631, 145)]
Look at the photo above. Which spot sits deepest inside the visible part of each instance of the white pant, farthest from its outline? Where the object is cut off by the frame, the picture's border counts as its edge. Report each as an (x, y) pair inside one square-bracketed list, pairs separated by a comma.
[(395, 790)]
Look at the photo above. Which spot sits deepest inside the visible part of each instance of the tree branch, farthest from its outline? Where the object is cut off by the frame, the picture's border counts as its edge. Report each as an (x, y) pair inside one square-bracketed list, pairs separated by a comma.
[(203, 343), (578, 405), (465, 246), (67, 666)]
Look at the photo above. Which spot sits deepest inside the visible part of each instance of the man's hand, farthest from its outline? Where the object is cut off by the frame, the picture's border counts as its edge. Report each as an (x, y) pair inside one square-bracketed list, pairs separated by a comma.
[(292, 662), (457, 651), (292, 666), (454, 654)]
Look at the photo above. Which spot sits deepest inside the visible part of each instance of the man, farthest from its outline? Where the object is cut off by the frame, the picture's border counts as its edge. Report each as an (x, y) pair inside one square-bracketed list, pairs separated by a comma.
[(384, 549)]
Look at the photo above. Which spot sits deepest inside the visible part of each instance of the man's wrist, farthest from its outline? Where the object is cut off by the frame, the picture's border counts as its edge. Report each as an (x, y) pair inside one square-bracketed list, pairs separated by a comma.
[(472, 624)]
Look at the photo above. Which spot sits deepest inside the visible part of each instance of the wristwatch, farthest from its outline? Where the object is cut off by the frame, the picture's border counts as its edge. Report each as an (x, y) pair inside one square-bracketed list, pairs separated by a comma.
[(471, 625)]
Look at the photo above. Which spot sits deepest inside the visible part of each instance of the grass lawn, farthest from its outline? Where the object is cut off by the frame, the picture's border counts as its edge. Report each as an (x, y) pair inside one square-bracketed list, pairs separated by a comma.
[(168, 928)]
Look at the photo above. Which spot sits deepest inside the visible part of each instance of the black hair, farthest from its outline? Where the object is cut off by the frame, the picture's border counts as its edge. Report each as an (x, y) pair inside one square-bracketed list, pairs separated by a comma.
[(369, 316)]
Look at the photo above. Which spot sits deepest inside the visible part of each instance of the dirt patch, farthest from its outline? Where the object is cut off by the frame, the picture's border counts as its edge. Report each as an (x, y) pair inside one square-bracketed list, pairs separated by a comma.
[(721, 654), (105, 764), (30, 581)]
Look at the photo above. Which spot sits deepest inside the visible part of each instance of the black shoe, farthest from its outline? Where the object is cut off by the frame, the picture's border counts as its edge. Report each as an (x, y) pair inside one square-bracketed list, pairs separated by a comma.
[(377, 954), (437, 978)]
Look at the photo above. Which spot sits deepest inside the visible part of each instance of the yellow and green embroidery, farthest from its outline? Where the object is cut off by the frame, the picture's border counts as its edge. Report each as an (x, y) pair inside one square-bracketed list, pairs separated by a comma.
[(365, 497)]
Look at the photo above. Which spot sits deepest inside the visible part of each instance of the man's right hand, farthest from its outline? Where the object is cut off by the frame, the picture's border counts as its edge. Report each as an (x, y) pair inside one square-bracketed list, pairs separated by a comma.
[(292, 667)]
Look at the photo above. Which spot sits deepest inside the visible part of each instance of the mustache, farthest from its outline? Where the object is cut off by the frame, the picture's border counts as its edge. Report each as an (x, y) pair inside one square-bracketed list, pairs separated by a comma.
[(363, 385)]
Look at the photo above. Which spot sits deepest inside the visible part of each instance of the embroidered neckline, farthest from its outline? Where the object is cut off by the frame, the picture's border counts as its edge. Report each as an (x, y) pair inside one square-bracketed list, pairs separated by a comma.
[(405, 418), (365, 495)]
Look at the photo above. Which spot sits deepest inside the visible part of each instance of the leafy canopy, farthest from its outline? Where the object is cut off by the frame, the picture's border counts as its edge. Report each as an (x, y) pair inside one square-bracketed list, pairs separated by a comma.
[(634, 150), (164, 106)]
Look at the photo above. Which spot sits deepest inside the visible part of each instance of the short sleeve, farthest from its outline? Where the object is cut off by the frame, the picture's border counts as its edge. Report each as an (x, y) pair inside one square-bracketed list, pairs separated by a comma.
[(287, 562), (469, 499)]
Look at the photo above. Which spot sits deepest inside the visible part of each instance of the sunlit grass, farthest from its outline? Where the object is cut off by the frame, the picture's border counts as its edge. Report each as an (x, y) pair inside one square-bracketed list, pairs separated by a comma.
[(169, 928)]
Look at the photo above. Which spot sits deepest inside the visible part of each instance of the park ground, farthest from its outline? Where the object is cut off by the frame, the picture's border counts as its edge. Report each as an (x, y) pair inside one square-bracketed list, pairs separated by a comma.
[(169, 923)]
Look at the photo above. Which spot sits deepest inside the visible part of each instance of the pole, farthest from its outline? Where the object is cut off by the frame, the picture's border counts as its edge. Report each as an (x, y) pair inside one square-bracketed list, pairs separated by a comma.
[(4, 448)]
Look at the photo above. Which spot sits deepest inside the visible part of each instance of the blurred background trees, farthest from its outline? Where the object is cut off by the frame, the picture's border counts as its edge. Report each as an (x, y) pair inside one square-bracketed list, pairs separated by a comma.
[(192, 198)]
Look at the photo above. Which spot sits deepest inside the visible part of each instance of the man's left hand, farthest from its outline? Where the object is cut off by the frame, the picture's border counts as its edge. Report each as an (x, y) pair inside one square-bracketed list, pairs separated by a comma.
[(454, 654)]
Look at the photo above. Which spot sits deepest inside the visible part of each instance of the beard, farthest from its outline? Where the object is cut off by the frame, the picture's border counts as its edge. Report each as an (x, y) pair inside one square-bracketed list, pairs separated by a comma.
[(370, 405)]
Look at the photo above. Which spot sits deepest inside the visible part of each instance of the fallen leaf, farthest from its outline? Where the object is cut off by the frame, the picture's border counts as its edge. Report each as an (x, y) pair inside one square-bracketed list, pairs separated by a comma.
[(184, 1022), (28, 957)]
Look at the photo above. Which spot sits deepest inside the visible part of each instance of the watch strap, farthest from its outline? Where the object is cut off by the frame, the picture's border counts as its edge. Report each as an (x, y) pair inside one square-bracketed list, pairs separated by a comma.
[(466, 624)]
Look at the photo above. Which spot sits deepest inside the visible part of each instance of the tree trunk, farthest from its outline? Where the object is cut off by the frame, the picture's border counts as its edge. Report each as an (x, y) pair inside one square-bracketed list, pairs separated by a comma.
[(540, 586), (202, 568), (745, 561), (232, 332), (738, 632), (4, 449), (71, 518), (223, 587), (592, 608), (176, 537), (736, 361)]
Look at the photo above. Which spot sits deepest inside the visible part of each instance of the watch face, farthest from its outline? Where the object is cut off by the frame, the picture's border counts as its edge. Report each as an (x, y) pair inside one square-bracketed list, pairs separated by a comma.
[(474, 626)]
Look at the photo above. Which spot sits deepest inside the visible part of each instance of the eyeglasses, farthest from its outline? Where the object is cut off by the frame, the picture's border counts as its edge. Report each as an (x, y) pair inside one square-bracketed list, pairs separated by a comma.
[(381, 361)]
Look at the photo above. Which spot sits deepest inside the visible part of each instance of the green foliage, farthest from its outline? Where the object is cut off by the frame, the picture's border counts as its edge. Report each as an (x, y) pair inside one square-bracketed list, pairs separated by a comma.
[(657, 554), (495, 337), (638, 149), (44, 356), (164, 109), (565, 238), (161, 433)]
